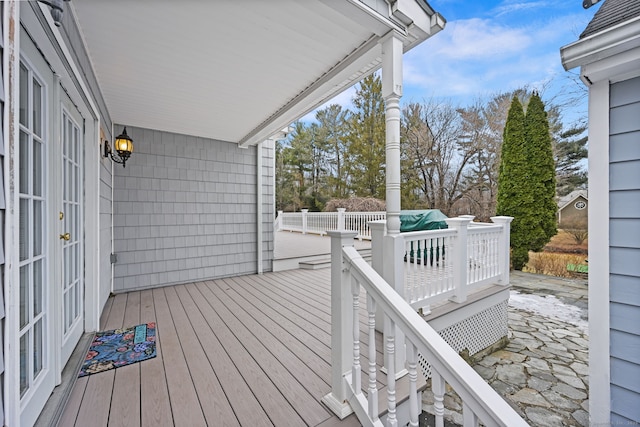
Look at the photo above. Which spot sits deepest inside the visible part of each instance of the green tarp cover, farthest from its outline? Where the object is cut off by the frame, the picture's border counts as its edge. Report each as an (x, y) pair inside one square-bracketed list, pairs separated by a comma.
[(417, 220)]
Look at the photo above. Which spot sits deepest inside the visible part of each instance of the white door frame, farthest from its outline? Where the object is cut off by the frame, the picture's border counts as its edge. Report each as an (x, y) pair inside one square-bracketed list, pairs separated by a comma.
[(17, 13)]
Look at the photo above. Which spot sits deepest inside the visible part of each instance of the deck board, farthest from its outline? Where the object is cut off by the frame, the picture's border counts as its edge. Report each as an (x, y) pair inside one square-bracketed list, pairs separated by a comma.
[(247, 350), (125, 404), (291, 390), (213, 401), (155, 407)]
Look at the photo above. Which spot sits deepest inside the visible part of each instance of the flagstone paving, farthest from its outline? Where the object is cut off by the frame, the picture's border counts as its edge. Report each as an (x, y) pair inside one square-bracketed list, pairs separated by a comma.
[(543, 371)]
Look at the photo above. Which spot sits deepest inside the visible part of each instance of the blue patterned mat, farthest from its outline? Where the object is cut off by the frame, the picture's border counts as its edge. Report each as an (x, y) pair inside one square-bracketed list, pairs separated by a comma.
[(120, 347)]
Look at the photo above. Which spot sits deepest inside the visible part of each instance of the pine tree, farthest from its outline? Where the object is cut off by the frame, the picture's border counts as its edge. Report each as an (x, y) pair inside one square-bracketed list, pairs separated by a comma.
[(367, 139)]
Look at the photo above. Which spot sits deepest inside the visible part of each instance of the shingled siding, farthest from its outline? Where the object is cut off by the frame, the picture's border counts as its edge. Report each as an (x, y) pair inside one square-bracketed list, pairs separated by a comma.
[(184, 210), (624, 208)]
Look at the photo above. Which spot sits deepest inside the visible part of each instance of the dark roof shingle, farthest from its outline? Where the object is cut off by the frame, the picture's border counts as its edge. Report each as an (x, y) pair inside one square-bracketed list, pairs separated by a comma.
[(612, 12)]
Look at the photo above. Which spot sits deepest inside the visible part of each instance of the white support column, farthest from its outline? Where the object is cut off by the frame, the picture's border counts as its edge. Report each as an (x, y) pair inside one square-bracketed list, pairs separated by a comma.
[(504, 263), (392, 92), (341, 325), (460, 258), (392, 50)]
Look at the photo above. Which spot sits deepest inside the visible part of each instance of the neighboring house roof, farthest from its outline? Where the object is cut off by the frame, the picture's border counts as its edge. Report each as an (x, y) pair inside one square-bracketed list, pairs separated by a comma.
[(238, 71), (571, 197), (612, 12)]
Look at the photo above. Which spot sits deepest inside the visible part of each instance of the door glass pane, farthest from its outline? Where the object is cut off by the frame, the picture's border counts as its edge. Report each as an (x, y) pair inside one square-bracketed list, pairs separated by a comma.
[(37, 108), (24, 229), (37, 168), (24, 381), (24, 163), (37, 227), (24, 296), (24, 95), (38, 280), (38, 347)]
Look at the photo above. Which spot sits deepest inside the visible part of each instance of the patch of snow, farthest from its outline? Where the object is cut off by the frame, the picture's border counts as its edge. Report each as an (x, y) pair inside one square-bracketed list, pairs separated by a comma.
[(549, 306)]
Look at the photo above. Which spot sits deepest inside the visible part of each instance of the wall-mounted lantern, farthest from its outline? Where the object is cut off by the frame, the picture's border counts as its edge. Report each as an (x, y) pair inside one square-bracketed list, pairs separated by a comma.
[(56, 10), (123, 146)]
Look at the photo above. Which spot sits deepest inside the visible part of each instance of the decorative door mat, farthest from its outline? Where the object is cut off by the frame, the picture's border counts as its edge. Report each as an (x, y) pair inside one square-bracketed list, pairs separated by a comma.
[(120, 347)]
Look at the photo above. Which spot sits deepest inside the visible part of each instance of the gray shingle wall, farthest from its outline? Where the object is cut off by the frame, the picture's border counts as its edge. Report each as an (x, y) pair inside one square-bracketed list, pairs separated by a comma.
[(624, 253), (185, 210)]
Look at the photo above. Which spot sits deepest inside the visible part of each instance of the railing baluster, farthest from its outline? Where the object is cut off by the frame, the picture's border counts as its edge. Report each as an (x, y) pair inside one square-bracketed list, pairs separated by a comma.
[(356, 370), (391, 372), (412, 363), (437, 386), (372, 395), (469, 419)]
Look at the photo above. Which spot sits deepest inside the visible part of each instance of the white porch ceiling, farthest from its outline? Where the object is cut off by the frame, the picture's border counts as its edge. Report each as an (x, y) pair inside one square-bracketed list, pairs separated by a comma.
[(235, 71)]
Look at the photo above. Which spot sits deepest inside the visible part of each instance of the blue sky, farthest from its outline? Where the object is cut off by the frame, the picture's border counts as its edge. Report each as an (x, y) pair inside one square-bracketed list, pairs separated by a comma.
[(491, 46)]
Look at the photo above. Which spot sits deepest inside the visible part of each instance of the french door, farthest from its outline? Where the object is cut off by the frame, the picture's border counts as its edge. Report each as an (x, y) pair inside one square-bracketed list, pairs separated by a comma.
[(36, 342), (51, 226), (71, 217)]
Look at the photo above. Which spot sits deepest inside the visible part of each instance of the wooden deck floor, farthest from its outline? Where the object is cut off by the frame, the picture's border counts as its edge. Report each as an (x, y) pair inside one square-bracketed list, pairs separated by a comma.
[(250, 350)]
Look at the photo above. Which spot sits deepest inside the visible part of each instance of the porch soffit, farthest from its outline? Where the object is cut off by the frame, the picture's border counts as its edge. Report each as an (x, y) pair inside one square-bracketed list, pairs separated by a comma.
[(235, 71)]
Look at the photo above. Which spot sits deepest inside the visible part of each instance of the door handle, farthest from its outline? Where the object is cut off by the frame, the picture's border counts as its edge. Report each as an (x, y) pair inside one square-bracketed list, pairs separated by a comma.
[(65, 236)]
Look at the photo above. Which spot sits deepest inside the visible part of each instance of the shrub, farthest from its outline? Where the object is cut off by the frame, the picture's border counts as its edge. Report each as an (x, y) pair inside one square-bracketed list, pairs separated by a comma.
[(553, 264)]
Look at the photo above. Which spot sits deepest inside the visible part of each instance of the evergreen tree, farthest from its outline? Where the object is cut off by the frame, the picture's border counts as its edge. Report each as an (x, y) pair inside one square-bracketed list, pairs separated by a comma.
[(526, 181), (514, 199), (542, 172), (367, 139), (570, 151)]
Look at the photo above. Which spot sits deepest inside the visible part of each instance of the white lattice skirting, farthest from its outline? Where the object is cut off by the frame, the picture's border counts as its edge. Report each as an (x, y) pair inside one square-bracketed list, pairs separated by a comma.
[(474, 333)]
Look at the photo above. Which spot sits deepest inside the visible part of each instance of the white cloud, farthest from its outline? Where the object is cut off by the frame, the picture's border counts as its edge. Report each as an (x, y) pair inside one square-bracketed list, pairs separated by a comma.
[(476, 57), (517, 6)]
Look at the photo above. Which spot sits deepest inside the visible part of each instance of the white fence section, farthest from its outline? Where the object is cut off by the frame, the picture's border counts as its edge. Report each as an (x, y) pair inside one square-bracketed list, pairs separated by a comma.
[(349, 392), (446, 264), (321, 222)]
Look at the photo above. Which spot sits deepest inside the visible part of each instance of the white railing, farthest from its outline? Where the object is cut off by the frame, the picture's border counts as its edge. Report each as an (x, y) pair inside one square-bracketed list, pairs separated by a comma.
[(321, 222), (349, 393), (436, 265)]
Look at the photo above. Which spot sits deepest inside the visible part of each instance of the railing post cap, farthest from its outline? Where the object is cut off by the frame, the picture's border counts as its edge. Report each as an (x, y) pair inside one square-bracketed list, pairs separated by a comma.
[(304, 210), (501, 219), (471, 217), (341, 209), (457, 222), (377, 225), (342, 234)]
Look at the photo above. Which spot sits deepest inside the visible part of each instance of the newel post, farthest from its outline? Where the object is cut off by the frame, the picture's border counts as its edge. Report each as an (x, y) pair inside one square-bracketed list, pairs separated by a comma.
[(304, 220), (278, 226), (378, 229), (341, 219), (341, 324), (459, 257), (504, 254), (377, 244)]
